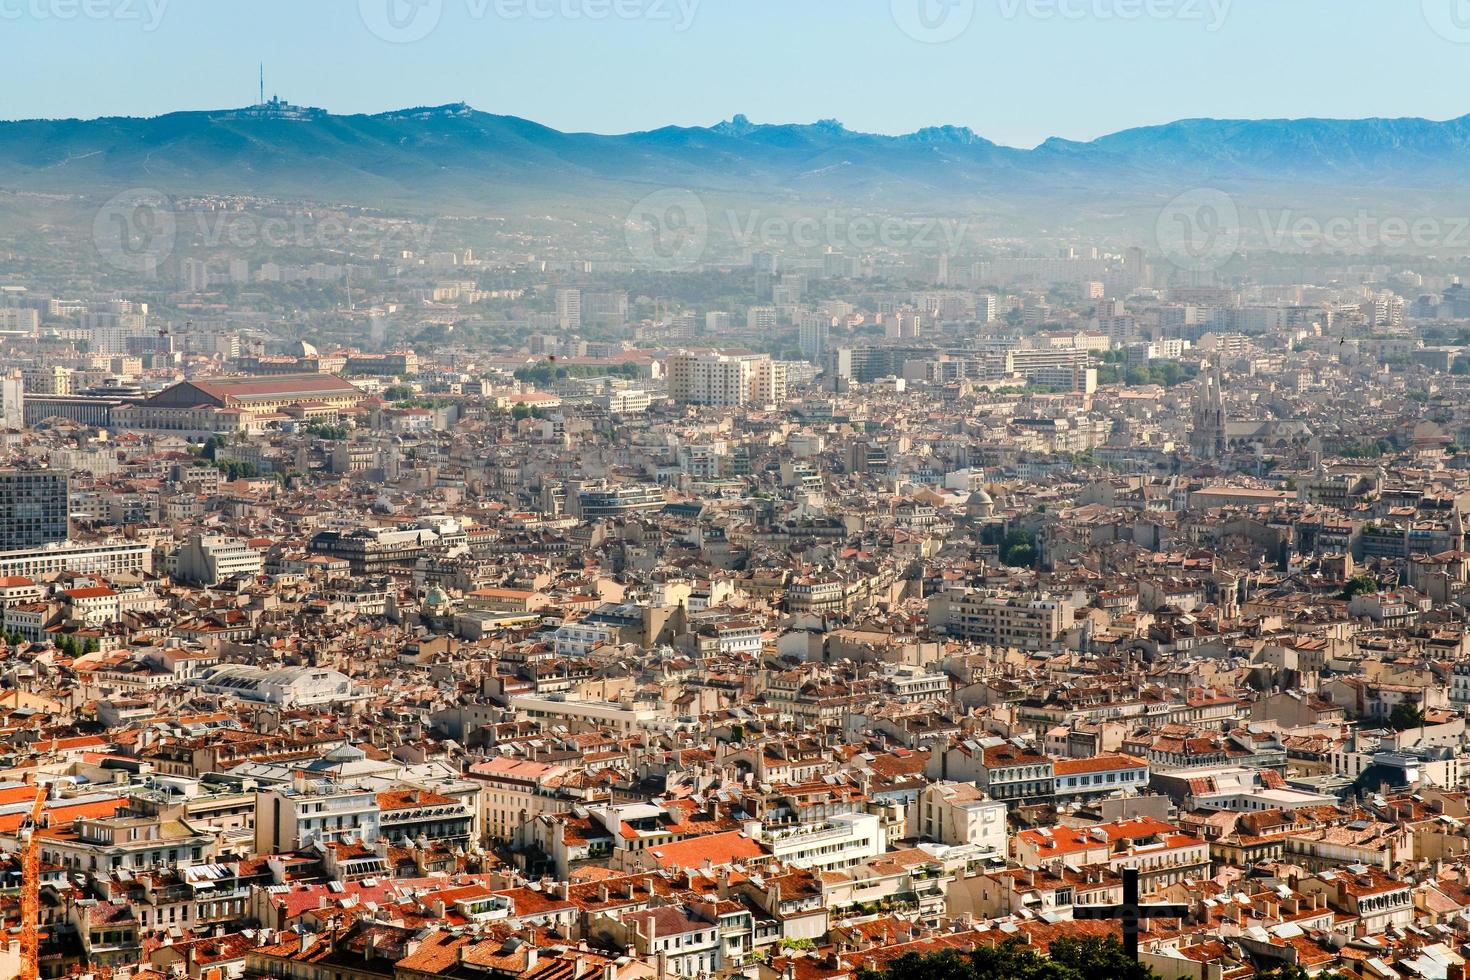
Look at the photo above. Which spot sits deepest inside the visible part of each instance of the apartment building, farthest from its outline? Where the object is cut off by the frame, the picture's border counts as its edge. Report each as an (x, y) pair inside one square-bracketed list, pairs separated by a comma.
[(1010, 621)]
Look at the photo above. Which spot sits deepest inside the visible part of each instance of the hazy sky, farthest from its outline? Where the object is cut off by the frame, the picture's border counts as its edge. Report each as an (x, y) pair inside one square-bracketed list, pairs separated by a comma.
[(1015, 71)]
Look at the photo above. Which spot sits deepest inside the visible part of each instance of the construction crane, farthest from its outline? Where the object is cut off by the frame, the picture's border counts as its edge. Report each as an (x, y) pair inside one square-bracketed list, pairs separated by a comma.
[(30, 891)]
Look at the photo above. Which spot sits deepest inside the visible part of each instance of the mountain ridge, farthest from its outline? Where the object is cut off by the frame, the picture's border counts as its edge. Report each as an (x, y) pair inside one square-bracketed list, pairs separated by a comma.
[(454, 154)]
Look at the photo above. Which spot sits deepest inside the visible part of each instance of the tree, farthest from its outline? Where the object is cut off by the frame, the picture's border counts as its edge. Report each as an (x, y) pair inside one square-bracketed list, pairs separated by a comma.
[(1090, 958), (1019, 549), (1363, 584), (1405, 716)]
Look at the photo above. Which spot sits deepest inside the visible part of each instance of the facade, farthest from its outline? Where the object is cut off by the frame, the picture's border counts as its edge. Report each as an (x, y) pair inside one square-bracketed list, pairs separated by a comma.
[(288, 818), (105, 558), (207, 559), (1027, 624), (34, 508), (725, 379), (230, 404)]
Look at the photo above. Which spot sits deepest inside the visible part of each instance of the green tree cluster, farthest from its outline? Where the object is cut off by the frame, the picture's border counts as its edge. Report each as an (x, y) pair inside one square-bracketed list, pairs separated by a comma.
[(1089, 958), (1405, 716), (1363, 584), (73, 647), (1018, 550)]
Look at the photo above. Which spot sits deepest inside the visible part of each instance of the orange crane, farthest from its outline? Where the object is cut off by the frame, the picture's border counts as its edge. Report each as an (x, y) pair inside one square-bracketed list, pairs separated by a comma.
[(30, 892)]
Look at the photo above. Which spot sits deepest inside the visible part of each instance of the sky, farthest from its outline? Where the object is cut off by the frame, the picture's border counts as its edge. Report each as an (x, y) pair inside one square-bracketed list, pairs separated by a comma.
[(1015, 71)]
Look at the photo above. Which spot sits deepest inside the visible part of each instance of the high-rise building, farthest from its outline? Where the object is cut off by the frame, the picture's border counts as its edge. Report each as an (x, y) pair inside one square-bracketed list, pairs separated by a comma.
[(109, 333), (195, 273), (763, 319), (987, 307), (815, 332), (34, 508), (712, 378), (20, 320), (12, 402), (569, 309)]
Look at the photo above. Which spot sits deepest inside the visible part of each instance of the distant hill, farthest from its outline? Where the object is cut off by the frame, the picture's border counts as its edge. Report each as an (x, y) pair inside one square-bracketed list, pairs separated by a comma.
[(455, 157)]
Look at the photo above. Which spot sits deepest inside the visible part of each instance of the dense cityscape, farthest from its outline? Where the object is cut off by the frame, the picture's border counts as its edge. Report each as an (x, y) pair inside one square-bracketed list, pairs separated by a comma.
[(743, 552)]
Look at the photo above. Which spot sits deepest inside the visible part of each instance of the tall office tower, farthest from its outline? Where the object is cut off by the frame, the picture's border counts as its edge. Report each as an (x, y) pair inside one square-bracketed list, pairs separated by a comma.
[(196, 275), (34, 508), (13, 402), (569, 309), (815, 331), (1136, 266)]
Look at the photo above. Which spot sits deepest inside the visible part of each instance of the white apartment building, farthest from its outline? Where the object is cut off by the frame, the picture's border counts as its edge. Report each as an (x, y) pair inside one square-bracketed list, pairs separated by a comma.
[(711, 379), (101, 559), (569, 309), (578, 639), (840, 841), (287, 818), (959, 813), (206, 559)]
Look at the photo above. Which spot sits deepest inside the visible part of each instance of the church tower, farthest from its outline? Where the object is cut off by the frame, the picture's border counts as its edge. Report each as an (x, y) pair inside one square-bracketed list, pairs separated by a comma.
[(1207, 438)]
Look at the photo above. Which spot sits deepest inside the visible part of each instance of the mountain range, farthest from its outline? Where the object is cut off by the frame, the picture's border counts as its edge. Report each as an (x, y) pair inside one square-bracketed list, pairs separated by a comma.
[(454, 157)]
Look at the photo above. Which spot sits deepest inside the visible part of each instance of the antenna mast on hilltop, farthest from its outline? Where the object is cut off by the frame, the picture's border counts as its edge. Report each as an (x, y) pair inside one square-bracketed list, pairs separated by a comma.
[(262, 84)]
